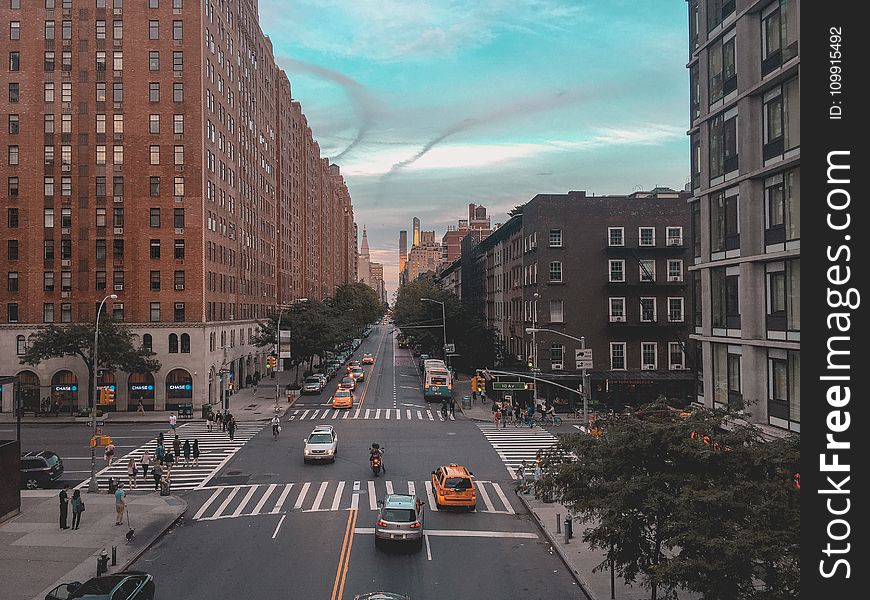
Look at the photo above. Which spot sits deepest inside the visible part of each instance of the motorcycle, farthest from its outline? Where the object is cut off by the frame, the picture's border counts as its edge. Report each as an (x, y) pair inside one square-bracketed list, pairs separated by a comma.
[(376, 463)]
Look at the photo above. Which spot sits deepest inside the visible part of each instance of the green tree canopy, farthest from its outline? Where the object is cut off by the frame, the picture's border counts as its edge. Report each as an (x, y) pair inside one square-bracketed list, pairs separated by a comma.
[(702, 503), (116, 349)]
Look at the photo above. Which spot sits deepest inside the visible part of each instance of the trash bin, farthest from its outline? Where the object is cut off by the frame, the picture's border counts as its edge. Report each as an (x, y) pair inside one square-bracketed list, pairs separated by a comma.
[(206, 410), (466, 402), (165, 487)]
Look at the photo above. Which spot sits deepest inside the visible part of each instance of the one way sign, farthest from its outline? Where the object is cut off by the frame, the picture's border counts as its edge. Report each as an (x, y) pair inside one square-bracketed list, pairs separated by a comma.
[(583, 358)]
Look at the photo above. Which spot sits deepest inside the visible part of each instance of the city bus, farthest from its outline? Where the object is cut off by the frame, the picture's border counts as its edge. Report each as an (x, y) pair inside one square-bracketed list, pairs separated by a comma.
[(437, 382)]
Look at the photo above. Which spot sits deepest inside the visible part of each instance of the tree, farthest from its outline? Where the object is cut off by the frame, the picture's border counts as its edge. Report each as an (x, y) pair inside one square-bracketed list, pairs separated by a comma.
[(702, 503), (116, 349), (358, 305)]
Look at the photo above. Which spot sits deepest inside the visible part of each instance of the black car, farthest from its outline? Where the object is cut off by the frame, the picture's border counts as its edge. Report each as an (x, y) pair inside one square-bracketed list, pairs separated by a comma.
[(127, 585), (40, 469)]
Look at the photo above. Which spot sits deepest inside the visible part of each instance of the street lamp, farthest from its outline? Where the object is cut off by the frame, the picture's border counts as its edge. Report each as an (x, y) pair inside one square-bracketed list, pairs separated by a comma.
[(443, 324), (534, 329), (92, 485), (582, 340), (278, 368)]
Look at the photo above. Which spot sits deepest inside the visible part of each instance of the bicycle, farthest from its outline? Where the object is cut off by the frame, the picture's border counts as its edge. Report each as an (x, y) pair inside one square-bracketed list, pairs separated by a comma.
[(546, 419)]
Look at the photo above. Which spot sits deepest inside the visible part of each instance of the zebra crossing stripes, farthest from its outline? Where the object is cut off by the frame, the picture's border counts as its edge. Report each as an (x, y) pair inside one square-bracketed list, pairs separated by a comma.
[(233, 501), (385, 414), (513, 445), (215, 447)]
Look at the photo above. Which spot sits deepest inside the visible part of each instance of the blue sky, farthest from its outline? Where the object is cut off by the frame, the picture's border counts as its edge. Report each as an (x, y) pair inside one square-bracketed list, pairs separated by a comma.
[(428, 105)]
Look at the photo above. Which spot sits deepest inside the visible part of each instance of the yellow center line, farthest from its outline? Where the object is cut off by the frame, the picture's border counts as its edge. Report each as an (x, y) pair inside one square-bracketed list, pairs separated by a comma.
[(362, 397), (347, 557), (348, 535)]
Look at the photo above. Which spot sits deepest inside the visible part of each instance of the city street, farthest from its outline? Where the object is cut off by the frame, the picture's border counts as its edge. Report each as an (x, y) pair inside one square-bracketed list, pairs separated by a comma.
[(268, 524)]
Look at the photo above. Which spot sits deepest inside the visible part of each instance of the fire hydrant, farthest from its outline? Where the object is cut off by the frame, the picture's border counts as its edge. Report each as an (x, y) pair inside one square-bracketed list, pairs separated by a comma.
[(102, 562)]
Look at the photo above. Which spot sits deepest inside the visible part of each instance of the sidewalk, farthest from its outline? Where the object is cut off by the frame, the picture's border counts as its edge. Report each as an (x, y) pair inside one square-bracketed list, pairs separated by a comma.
[(245, 404), (37, 555)]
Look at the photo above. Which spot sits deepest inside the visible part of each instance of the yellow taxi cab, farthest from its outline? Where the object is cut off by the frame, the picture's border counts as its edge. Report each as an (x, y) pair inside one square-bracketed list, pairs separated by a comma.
[(342, 398), (452, 485)]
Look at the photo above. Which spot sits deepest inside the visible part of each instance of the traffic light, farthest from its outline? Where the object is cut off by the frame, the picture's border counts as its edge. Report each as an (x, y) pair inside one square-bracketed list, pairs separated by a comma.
[(531, 362), (107, 395), (271, 362)]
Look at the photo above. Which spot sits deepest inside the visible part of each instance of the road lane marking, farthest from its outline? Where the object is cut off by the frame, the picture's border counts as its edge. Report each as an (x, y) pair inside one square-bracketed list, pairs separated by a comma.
[(302, 494), (347, 556), (523, 535), (412, 490), (388, 414), (319, 497), (431, 416), (377, 413), (428, 548), (389, 485), (274, 535), (208, 503), (430, 496), (354, 501), (336, 500), (304, 413), (503, 498), (226, 502), (419, 415), (367, 414), (281, 498), (338, 570), (482, 492), (244, 502), (409, 412)]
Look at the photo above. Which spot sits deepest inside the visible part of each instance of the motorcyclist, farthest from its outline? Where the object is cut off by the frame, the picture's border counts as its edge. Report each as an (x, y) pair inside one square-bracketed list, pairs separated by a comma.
[(376, 450)]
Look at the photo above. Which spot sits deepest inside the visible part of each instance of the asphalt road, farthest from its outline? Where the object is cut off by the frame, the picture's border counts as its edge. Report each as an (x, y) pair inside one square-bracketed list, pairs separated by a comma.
[(269, 526)]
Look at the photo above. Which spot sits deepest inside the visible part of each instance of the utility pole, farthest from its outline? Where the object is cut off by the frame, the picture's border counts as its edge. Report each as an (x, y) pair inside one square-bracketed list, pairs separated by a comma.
[(92, 484)]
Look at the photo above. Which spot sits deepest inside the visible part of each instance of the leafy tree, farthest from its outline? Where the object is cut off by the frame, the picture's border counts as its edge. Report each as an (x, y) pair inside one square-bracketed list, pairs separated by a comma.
[(116, 349), (718, 518), (358, 305)]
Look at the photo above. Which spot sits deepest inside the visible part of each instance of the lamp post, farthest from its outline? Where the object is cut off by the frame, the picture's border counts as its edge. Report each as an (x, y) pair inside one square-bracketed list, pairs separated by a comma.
[(92, 485), (536, 295), (443, 325), (582, 340), (278, 368)]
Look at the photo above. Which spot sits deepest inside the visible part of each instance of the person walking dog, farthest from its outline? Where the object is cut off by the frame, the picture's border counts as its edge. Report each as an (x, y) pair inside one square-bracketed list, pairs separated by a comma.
[(120, 504)]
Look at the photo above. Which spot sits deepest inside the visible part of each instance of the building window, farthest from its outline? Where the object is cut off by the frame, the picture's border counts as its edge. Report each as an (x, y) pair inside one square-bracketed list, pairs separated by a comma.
[(178, 92), (20, 345), (100, 280), (725, 221), (178, 280), (118, 249), (649, 356), (179, 249), (118, 29), (101, 91), (779, 33), (12, 281), (556, 311), (178, 61), (646, 236), (648, 310), (647, 270), (724, 296), (675, 270), (782, 129), (727, 390), (154, 154), (48, 281), (155, 312), (100, 249), (12, 218), (177, 30), (695, 90), (154, 186), (153, 30), (66, 313), (782, 199), (179, 186), (185, 343), (155, 281), (118, 312), (178, 313), (154, 92), (675, 310), (147, 342), (12, 155), (722, 67), (718, 11), (178, 124), (12, 186), (12, 312), (154, 217), (555, 272), (154, 124), (14, 92), (555, 238), (676, 356), (557, 355), (48, 218), (784, 298), (616, 270), (118, 155), (615, 236), (723, 145), (616, 308), (617, 356), (49, 30), (15, 30), (100, 29), (178, 154), (178, 218), (674, 236), (118, 62), (783, 388), (14, 61), (13, 124), (696, 299), (173, 343), (155, 249), (695, 141)]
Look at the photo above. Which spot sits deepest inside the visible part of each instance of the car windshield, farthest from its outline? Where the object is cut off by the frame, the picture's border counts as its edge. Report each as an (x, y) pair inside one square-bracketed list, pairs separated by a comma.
[(357, 370), (399, 515), (347, 380), (320, 438), (313, 380), (342, 394), (52, 459), (99, 587), (458, 483)]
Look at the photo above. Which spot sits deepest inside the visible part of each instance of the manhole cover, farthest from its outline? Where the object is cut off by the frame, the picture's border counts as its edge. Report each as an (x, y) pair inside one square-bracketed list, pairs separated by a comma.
[(234, 472)]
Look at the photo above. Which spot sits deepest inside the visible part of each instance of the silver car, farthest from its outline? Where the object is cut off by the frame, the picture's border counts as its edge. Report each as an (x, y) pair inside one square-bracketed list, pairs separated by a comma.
[(312, 385), (321, 444), (400, 520)]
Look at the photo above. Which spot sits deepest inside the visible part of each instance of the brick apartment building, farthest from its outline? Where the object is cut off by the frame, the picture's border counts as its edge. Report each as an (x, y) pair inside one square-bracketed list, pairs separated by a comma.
[(176, 171), (611, 269), (744, 68)]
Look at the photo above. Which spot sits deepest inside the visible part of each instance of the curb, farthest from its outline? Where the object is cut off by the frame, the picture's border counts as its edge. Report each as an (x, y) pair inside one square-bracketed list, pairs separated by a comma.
[(551, 538), (147, 547)]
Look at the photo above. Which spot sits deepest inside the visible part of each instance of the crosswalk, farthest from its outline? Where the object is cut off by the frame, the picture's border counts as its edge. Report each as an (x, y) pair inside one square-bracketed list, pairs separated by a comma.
[(386, 414), (232, 501), (515, 444), (216, 449)]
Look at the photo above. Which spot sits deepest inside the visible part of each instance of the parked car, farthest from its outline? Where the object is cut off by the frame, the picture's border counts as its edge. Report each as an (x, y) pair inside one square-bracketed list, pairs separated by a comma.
[(321, 444), (126, 585), (39, 469), (381, 596), (400, 520), (312, 385)]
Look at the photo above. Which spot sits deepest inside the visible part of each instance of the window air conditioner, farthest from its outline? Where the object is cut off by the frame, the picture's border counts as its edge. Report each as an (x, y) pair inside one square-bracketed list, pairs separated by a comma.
[(556, 366), (119, 287), (179, 286), (675, 278), (649, 367), (617, 319), (676, 367), (119, 230), (674, 241), (65, 262)]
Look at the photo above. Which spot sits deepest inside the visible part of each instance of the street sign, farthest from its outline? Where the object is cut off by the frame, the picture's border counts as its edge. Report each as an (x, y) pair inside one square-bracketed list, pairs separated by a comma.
[(508, 385), (450, 348), (583, 358)]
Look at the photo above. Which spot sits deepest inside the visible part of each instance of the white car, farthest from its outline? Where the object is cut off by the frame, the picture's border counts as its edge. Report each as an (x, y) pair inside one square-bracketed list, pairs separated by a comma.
[(321, 444), (312, 385)]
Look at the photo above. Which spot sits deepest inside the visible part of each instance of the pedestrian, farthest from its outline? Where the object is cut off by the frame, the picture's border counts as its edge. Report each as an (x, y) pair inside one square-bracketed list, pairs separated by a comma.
[(64, 506), (521, 471), (145, 462), (140, 408), (494, 410), (120, 504), (110, 454), (452, 407), (168, 461), (195, 453), (231, 427), (173, 422), (218, 418), (131, 473), (209, 420), (160, 453), (186, 453), (78, 507), (508, 414), (176, 446), (157, 474)]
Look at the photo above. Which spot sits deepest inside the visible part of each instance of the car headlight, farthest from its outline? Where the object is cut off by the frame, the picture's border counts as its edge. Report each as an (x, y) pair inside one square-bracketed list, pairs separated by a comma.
[(306, 452)]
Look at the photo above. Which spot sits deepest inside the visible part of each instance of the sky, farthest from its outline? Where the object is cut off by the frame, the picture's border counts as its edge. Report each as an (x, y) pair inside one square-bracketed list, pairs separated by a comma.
[(429, 105)]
